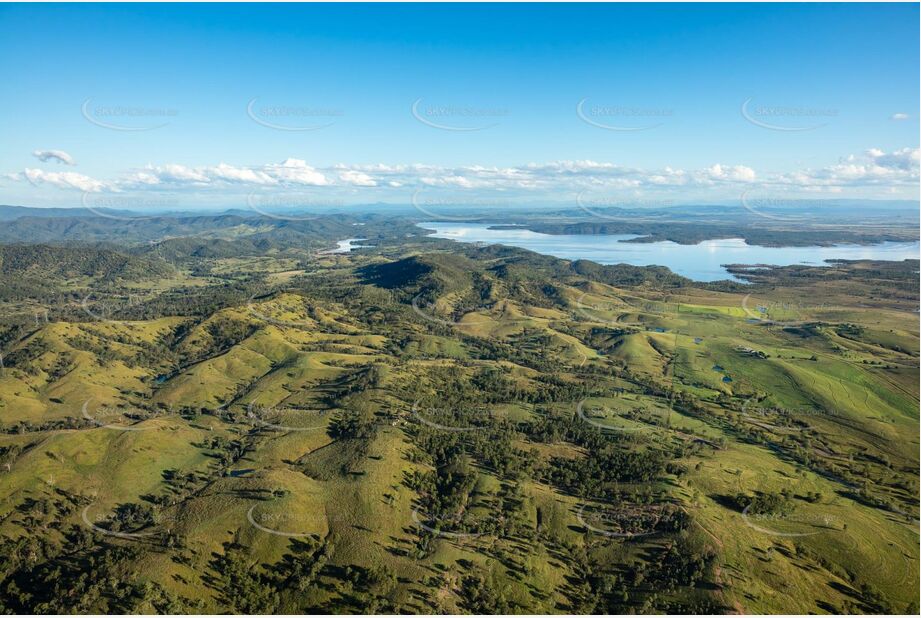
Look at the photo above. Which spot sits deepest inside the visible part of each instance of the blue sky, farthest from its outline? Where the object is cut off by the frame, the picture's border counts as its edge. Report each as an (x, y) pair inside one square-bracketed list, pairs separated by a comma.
[(211, 104)]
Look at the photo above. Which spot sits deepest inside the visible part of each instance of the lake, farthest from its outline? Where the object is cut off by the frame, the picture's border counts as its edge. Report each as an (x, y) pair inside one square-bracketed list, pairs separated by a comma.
[(347, 245), (700, 262)]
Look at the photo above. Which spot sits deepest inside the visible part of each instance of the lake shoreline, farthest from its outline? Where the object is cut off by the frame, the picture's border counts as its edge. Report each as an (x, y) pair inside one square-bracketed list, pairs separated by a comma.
[(705, 261)]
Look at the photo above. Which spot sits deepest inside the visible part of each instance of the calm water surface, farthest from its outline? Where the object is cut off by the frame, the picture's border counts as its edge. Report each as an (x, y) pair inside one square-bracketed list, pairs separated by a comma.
[(700, 262), (347, 245)]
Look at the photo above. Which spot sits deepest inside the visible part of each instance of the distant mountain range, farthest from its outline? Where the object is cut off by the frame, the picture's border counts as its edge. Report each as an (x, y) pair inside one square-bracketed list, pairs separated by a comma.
[(849, 206)]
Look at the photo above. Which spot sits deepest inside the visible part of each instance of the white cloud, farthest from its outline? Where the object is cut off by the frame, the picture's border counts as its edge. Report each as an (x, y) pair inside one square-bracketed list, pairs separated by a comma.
[(169, 173), (899, 116), (242, 175), (739, 173), (573, 167), (295, 171), (54, 155), (449, 179), (904, 159), (359, 179), (175, 176), (64, 180), (874, 170)]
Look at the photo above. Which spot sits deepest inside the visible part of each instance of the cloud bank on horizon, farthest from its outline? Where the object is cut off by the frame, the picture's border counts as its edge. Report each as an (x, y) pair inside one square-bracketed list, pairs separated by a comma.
[(885, 173)]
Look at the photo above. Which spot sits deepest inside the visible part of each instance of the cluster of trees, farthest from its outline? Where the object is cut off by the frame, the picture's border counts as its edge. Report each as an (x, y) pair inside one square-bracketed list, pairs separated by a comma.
[(458, 457), (24, 357), (294, 585), (68, 422), (483, 596), (596, 475), (245, 588), (82, 574), (766, 502)]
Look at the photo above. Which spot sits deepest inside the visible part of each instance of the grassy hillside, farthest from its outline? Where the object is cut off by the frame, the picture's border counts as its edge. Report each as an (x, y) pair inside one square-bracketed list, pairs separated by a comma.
[(425, 428)]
